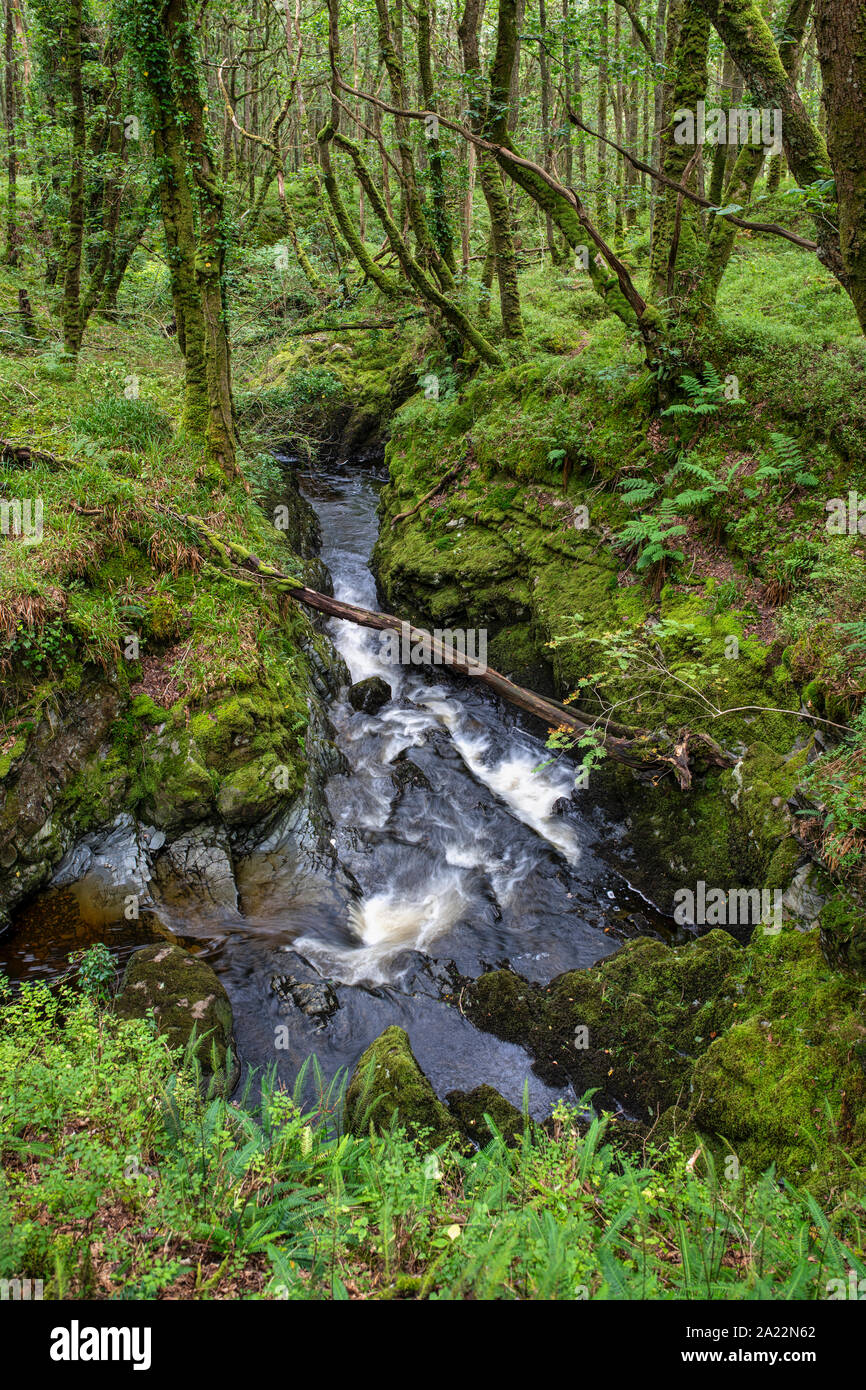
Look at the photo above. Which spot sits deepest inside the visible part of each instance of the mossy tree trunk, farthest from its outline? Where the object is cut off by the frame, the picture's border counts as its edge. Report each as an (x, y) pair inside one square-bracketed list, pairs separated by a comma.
[(209, 265), (443, 232), (743, 28), (492, 180), (427, 252), (678, 242), (178, 219), (840, 27), (380, 278), (164, 39), (747, 168), (74, 244), (10, 255)]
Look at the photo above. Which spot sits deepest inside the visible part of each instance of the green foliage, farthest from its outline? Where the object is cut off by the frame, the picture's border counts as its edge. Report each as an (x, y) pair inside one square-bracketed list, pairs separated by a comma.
[(783, 463), (702, 397), (95, 1116), (49, 647), (130, 423), (94, 970), (649, 537)]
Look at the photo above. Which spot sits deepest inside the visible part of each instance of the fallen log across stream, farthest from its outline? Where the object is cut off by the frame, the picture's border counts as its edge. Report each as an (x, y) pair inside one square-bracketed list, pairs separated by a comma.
[(634, 748)]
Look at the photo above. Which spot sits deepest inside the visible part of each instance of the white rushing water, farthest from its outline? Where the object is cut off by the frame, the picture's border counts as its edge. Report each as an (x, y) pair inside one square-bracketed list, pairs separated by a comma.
[(475, 840)]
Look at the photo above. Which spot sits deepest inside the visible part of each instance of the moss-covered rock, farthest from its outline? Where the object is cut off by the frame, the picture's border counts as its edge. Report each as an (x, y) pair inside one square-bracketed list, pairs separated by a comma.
[(843, 935), (760, 1050), (786, 1083), (188, 1001), (628, 1028), (369, 695), (388, 1085), (471, 1108)]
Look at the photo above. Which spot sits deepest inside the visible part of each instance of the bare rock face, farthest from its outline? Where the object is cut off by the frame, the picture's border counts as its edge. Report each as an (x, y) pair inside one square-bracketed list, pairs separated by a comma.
[(187, 999), (201, 862), (40, 810)]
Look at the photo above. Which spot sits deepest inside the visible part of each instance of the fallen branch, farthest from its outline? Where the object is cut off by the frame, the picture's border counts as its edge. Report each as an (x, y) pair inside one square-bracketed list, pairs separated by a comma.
[(437, 487), (638, 752), (23, 455), (770, 228)]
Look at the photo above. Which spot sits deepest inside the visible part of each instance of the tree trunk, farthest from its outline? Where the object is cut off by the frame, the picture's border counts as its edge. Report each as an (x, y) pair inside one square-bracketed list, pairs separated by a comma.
[(840, 27), (73, 249), (11, 254), (676, 268)]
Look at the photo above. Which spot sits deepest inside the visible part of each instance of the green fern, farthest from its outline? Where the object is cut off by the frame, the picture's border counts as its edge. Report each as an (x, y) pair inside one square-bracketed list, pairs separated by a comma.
[(638, 490)]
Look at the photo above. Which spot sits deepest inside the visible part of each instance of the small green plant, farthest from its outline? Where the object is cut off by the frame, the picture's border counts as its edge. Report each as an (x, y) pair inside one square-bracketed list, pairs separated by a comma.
[(692, 498), (94, 970), (38, 649), (650, 539), (702, 397), (784, 462)]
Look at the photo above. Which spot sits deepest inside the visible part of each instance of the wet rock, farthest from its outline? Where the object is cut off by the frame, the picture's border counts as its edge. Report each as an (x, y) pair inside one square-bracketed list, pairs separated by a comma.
[(805, 896), (406, 774), (187, 999), (368, 696), (435, 979), (561, 806), (64, 772), (108, 867), (387, 1083), (200, 863), (469, 1108), (315, 998)]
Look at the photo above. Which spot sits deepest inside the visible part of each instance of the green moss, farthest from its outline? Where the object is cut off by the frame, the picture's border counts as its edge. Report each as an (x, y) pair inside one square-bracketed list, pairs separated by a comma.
[(388, 1086), (472, 1108), (786, 1084), (843, 935), (189, 1004), (760, 1048)]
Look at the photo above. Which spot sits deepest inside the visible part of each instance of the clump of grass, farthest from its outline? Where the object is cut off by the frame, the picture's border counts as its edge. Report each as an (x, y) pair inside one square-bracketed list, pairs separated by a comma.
[(130, 423)]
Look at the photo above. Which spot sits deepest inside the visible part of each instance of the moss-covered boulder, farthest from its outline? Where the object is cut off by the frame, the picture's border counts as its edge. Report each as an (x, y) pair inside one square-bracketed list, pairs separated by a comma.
[(759, 1051), (388, 1085), (843, 935), (628, 1028), (786, 1083), (471, 1109), (369, 695), (186, 998)]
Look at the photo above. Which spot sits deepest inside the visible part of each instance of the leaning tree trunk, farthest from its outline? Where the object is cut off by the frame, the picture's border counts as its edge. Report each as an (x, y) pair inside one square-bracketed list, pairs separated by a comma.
[(742, 27)]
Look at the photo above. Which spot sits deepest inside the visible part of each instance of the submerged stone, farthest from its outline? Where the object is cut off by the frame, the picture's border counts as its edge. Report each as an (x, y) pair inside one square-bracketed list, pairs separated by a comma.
[(315, 998)]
